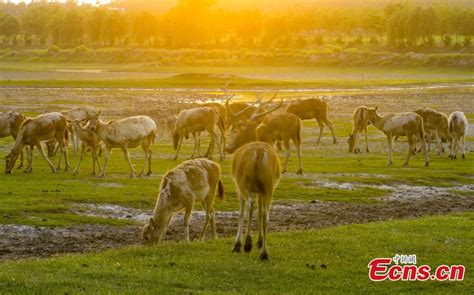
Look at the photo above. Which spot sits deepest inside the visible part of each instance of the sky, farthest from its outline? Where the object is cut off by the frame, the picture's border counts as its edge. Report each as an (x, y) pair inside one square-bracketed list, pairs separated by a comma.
[(78, 1)]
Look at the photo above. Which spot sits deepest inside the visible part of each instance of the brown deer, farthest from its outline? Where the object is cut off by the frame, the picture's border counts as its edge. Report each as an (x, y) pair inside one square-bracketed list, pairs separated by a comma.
[(255, 170), (35, 130), (311, 108), (194, 121), (435, 123), (360, 123), (190, 182), (10, 123)]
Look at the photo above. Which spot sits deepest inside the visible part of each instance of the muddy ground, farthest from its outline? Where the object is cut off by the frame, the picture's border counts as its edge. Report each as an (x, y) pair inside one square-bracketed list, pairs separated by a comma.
[(24, 241)]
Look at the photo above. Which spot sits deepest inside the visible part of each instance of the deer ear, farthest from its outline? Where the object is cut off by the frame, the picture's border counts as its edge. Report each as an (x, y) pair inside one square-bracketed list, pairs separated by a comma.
[(376, 108), (151, 223)]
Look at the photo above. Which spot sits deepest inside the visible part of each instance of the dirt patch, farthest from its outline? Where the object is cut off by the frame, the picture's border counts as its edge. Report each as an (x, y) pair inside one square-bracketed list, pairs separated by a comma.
[(25, 241)]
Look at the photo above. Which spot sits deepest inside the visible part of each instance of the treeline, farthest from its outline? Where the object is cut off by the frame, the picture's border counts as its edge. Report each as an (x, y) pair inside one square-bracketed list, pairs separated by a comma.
[(200, 24)]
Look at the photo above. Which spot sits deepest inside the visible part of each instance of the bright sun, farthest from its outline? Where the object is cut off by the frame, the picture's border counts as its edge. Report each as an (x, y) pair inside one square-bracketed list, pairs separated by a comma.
[(62, 1)]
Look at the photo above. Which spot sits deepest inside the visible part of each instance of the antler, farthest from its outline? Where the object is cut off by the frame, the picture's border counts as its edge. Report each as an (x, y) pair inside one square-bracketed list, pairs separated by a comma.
[(256, 116)]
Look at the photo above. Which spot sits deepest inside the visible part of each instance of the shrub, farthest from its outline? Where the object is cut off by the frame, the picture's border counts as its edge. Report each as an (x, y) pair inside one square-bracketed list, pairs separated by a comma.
[(319, 40), (82, 49), (339, 40), (430, 41), (53, 50), (373, 41), (447, 40), (467, 41)]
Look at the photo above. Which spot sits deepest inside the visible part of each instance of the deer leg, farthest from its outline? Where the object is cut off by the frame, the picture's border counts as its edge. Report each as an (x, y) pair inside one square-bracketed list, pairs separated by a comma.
[(389, 139), (106, 161), (213, 224), (127, 157), (76, 170), (334, 139), (180, 141), (222, 150), (463, 141), (248, 237), (206, 219), (263, 210), (195, 145), (238, 239), (95, 159), (321, 129), (29, 154), (366, 139), (410, 147), (286, 143), (298, 152), (42, 152), (438, 140), (423, 148), (187, 218)]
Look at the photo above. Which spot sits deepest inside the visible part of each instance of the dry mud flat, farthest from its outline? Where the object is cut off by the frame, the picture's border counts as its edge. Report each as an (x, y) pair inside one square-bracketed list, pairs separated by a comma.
[(18, 241)]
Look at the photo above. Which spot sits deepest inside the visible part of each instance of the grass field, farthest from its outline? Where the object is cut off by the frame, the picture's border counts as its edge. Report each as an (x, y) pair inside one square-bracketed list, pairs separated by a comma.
[(345, 210)]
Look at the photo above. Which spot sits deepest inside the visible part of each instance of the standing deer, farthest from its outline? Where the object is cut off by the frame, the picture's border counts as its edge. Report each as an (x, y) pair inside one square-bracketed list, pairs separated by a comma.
[(35, 130), (311, 108), (89, 139), (10, 123), (255, 170), (268, 128), (437, 123), (402, 124), (458, 126), (360, 123), (80, 114), (190, 182), (194, 121), (125, 133)]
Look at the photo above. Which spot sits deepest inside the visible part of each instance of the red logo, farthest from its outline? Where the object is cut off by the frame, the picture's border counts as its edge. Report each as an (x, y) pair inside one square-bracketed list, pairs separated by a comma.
[(381, 269)]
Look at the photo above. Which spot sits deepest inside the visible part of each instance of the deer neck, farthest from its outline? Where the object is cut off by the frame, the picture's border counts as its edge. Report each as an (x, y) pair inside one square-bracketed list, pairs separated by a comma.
[(378, 121)]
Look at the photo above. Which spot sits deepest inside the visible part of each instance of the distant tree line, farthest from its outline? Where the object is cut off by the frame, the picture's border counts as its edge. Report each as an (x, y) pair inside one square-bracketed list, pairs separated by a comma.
[(200, 24)]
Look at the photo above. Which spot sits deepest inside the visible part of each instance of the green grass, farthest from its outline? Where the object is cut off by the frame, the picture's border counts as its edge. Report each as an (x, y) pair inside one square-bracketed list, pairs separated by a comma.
[(294, 266)]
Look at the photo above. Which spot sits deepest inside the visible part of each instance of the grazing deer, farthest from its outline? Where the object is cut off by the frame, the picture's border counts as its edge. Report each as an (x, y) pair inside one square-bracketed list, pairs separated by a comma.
[(458, 126), (125, 133), (190, 182), (437, 123), (89, 139), (360, 123), (194, 121), (255, 170), (35, 130), (311, 108), (10, 123), (402, 124), (268, 128)]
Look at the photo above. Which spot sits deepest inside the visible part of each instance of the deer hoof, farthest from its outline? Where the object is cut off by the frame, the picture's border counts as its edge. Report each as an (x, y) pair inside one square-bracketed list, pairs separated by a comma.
[(427, 164), (248, 244), (463, 157), (389, 163), (264, 256), (299, 172), (237, 247)]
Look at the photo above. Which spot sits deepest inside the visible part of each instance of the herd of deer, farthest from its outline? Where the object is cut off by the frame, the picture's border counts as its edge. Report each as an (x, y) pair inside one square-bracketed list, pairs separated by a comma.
[(255, 133)]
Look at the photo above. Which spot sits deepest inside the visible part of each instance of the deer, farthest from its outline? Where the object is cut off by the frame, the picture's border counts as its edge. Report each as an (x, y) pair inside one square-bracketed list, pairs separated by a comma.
[(268, 127), (194, 121), (89, 139), (360, 124), (125, 133), (35, 130), (458, 126), (255, 170), (10, 123), (77, 113), (311, 108), (407, 124), (437, 123), (181, 187)]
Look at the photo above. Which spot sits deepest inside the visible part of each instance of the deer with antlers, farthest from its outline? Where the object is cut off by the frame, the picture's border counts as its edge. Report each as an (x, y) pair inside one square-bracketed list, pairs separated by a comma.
[(307, 109), (267, 127)]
